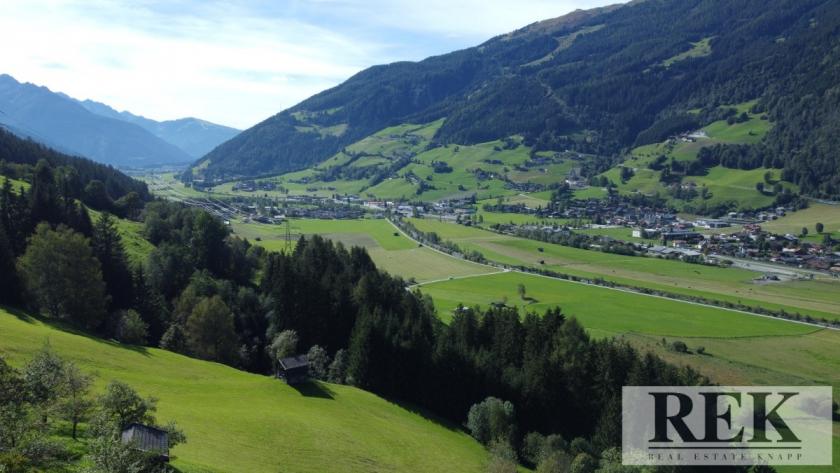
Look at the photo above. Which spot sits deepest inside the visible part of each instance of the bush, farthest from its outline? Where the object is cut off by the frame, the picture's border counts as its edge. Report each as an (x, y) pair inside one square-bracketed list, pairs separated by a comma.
[(318, 361), (338, 368), (491, 419), (502, 458), (536, 447), (555, 462), (132, 329), (583, 463), (532, 447), (679, 346)]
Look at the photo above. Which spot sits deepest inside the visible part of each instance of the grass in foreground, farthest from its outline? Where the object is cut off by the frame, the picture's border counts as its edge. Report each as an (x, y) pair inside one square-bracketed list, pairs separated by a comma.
[(236, 421)]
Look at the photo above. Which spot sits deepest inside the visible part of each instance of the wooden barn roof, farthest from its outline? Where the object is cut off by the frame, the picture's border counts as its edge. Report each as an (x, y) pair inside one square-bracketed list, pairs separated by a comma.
[(293, 362), (148, 439)]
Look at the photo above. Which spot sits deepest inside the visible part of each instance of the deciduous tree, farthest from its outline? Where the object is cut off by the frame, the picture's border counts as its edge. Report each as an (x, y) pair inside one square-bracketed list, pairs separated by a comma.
[(76, 404), (64, 277), (210, 331), (121, 403)]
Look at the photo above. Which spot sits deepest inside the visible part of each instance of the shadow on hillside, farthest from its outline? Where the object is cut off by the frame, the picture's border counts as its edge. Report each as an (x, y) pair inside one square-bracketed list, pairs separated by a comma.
[(21, 315), (65, 327), (440, 421), (313, 389), (111, 343)]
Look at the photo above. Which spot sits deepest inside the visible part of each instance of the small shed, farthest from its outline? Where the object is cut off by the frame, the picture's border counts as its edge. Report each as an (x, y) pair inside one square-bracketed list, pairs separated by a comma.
[(294, 369), (147, 439)]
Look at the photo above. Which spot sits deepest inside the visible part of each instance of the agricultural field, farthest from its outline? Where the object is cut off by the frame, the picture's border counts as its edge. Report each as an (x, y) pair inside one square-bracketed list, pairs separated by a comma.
[(819, 297), (167, 185), (618, 233), (238, 421), (390, 249), (532, 200), (490, 218), (613, 315)]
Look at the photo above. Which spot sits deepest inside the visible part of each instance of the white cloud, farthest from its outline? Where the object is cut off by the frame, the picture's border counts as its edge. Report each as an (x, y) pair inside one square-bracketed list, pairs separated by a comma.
[(235, 62)]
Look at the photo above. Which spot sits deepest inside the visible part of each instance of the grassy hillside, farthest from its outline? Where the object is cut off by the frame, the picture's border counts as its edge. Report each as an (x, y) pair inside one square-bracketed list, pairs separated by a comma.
[(136, 246), (401, 162), (16, 184), (828, 215), (236, 421), (724, 185)]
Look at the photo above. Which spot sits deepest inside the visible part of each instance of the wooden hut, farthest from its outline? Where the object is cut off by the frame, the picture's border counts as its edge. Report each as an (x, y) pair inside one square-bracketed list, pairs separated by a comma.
[(147, 439), (294, 369)]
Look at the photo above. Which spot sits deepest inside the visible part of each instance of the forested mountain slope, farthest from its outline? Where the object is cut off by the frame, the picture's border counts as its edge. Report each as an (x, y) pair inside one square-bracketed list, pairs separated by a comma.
[(18, 157), (598, 81)]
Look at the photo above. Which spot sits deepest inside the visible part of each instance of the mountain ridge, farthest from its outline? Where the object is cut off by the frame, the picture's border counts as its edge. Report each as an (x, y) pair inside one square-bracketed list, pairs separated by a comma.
[(194, 136), (99, 132), (63, 123), (592, 82)]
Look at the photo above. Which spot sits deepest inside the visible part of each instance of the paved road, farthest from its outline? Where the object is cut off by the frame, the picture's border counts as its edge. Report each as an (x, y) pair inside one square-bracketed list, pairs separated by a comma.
[(766, 267)]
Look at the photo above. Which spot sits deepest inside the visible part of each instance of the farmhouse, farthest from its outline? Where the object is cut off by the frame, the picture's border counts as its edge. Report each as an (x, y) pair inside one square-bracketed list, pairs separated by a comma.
[(147, 439), (294, 369)]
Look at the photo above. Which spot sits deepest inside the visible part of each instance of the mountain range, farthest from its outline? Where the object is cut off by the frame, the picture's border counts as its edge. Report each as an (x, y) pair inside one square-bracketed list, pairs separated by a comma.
[(599, 81), (97, 131), (194, 136)]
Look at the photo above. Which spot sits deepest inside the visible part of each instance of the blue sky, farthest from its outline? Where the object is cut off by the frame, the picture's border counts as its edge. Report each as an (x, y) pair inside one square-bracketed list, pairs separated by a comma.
[(237, 62)]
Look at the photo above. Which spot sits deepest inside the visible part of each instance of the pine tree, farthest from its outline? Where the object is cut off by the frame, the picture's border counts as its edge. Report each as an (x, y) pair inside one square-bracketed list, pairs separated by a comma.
[(9, 283), (108, 248)]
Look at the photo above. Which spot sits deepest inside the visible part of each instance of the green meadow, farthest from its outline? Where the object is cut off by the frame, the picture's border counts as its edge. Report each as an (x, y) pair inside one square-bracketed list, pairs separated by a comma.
[(699, 49), (16, 183), (828, 215), (389, 248), (820, 297), (242, 422), (615, 311)]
